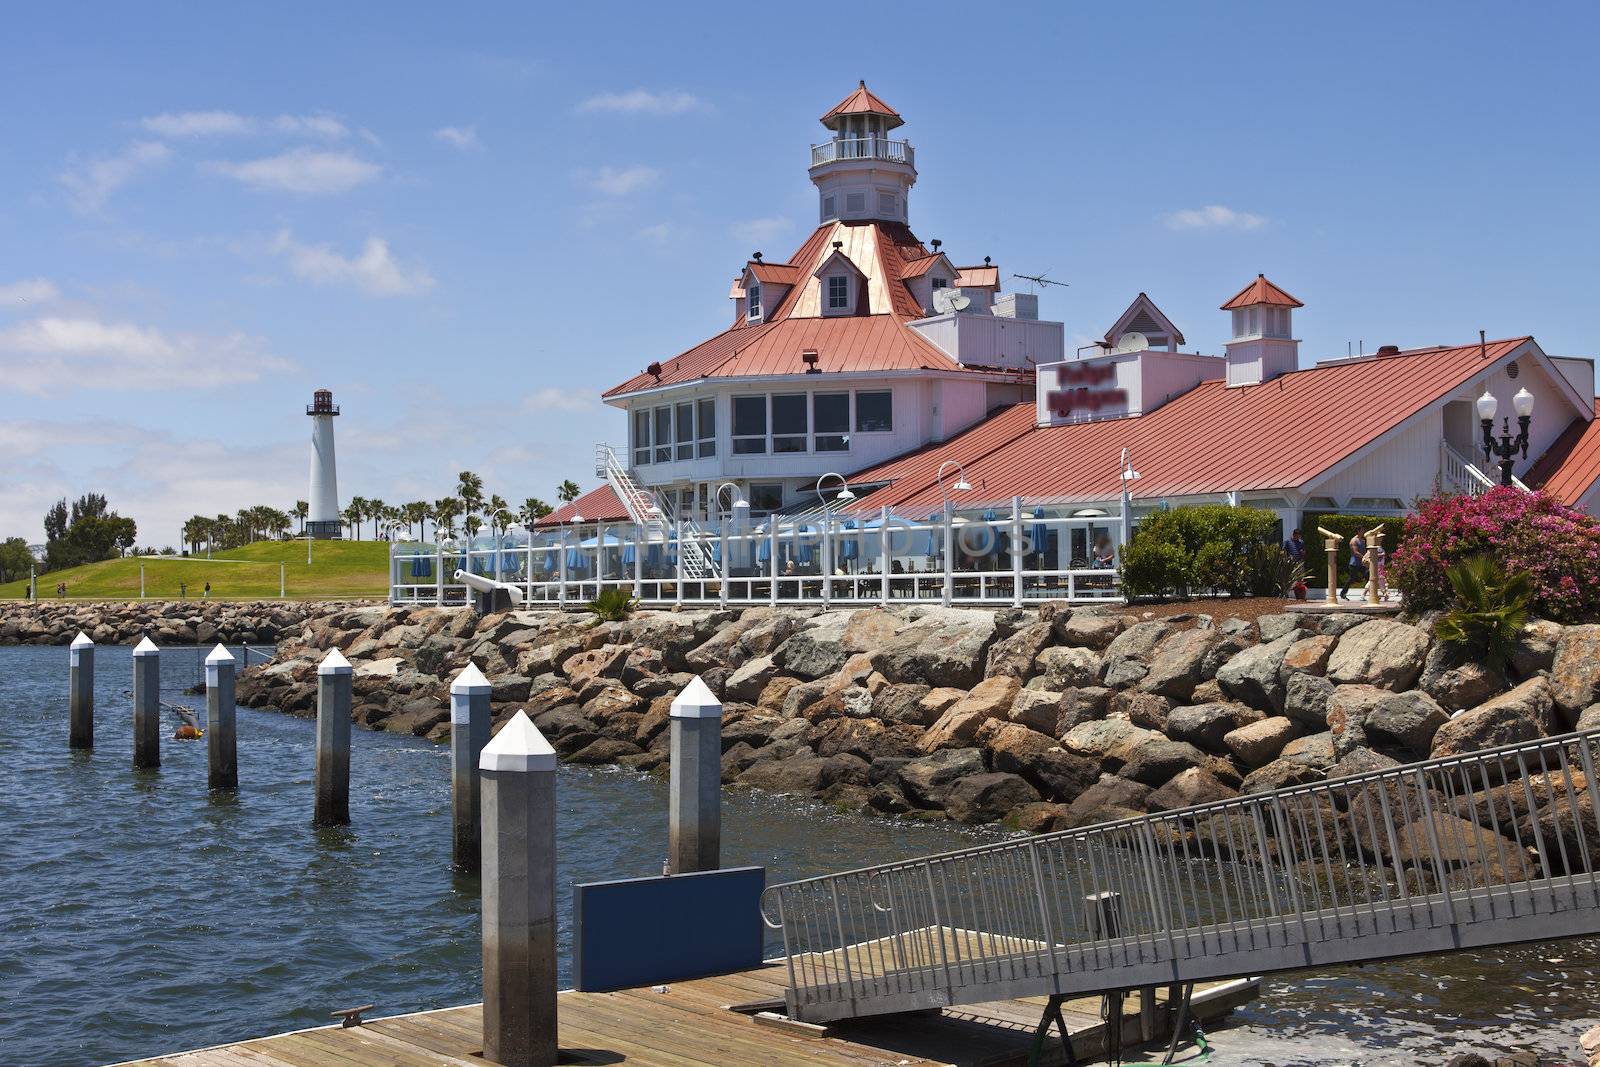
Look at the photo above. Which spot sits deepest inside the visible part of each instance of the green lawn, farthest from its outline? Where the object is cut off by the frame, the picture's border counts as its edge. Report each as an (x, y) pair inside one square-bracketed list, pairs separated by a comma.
[(339, 569)]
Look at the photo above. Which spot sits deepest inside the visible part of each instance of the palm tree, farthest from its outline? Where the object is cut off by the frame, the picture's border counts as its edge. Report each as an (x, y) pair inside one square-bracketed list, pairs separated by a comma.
[(492, 510), (469, 487), (301, 511), (417, 512), (568, 491), (352, 516), (376, 509), (472, 524), (533, 509), (445, 510)]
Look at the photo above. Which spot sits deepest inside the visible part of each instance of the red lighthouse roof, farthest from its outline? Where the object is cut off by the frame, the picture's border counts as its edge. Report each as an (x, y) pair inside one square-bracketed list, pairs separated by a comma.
[(863, 102), (1261, 291)]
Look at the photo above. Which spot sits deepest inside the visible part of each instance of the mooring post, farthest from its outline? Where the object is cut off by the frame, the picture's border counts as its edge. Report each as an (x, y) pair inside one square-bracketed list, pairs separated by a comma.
[(519, 896), (695, 813), (334, 678), (469, 732), (221, 739), (1104, 914), (146, 704), (80, 692)]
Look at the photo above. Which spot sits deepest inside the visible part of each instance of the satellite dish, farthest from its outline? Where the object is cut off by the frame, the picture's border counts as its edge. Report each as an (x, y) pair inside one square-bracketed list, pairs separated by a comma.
[(946, 301), (1132, 342)]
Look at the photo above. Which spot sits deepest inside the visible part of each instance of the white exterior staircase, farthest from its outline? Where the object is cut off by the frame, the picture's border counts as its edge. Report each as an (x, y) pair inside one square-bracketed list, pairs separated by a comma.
[(1458, 474), (657, 517)]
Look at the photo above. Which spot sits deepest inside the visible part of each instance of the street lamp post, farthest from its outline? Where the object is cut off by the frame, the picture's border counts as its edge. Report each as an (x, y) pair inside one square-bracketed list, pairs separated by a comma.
[(844, 495), (961, 486), (1508, 447)]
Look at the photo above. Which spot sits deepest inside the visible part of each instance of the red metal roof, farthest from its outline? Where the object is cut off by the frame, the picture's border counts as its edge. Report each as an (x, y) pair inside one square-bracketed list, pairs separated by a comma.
[(984, 277), (600, 504), (1571, 465), (862, 101), (916, 268), (1261, 291), (780, 273), (1212, 440), (910, 473)]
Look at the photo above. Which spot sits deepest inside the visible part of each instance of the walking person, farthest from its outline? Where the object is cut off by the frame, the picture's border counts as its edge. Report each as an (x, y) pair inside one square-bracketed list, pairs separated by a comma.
[(207, 594), (1358, 564)]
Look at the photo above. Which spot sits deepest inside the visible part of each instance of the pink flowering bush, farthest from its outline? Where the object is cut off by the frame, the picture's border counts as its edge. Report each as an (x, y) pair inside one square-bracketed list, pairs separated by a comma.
[(1556, 546)]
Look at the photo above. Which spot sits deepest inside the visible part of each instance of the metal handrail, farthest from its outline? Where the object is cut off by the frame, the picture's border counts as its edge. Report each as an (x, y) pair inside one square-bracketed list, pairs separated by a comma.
[(870, 147), (1430, 856)]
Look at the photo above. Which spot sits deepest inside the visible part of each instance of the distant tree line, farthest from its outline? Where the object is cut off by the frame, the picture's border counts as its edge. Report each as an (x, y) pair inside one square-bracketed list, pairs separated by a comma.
[(87, 531)]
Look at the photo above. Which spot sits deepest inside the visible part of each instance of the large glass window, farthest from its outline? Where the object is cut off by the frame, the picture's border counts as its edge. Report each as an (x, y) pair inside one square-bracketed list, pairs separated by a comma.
[(706, 427), (830, 421), (789, 422), (752, 296), (684, 413), (874, 412), (641, 436), (749, 424), (766, 498), (838, 292), (663, 435)]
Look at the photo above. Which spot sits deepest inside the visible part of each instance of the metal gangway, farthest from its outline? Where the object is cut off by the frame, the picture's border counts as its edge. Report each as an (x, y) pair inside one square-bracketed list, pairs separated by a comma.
[(1491, 848)]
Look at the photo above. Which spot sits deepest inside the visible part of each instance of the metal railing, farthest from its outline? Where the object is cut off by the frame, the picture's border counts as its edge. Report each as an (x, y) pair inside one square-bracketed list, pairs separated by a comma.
[(1459, 474), (871, 147), (1490, 848)]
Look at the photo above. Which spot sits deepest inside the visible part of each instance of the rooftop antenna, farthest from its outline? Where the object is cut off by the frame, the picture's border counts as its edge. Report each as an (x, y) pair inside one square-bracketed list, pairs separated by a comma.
[(1036, 280)]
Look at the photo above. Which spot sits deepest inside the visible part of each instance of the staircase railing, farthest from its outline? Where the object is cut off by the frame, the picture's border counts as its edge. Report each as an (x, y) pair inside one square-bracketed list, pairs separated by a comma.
[(1459, 474), (658, 517), (1487, 848)]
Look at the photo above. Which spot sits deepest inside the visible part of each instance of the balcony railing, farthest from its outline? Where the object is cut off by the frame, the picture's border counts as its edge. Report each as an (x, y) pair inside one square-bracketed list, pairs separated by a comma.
[(863, 148)]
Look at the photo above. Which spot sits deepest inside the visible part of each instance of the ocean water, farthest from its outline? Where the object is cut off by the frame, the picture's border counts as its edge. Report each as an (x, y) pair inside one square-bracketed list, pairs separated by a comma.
[(140, 914)]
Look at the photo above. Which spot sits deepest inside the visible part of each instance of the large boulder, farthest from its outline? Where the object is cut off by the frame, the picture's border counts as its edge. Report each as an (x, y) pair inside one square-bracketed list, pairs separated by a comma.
[(806, 774), (1110, 798), (1575, 671), (988, 797), (1535, 648), (1181, 662), (927, 779), (1081, 705), (1127, 658), (1513, 717), (818, 649), (1067, 667), (1305, 700), (1458, 680), (1142, 709), (1281, 624), (1159, 761), (1080, 630), (1379, 652), (1015, 655), (902, 702), (1308, 655), (1259, 743), (1109, 742), (1189, 789), (1348, 709), (1254, 675), (1016, 748), (1037, 709), (1205, 725), (1408, 720), (990, 699), (869, 739), (750, 679), (942, 647), (1280, 774), (1314, 751)]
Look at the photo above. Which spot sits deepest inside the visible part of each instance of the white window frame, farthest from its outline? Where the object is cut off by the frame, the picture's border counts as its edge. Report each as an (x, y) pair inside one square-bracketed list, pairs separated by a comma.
[(662, 441), (683, 438), (641, 443), (829, 307), (844, 436), (803, 436), (855, 412), (761, 438), (705, 436), (752, 297)]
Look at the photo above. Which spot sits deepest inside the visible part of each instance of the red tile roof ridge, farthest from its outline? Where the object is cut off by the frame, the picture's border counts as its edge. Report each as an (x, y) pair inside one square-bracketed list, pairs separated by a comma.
[(1261, 291), (600, 504)]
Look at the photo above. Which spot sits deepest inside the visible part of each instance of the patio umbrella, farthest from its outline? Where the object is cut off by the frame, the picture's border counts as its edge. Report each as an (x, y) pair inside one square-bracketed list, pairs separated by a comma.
[(935, 536), (421, 568), (1040, 532), (628, 555), (804, 551), (849, 548), (764, 550)]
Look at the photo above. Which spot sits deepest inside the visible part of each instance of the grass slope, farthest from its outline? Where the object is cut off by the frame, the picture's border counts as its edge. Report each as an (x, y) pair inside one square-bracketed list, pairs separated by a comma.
[(339, 569)]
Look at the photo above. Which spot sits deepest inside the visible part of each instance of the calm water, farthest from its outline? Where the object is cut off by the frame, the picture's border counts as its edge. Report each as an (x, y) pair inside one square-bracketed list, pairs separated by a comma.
[(139, 915)]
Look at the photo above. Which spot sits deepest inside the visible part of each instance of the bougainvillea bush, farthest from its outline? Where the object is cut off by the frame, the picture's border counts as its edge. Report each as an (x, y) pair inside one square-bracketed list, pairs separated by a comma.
[(1557, 546)]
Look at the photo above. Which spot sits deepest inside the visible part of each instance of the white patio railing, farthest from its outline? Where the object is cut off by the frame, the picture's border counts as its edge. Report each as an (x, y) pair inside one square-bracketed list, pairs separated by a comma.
[(870, 147), (994, 558)]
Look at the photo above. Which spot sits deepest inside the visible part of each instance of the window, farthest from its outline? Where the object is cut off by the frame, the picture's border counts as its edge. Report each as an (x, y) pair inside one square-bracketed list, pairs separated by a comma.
[(886, 204), (941, 283), (827, 208), (749, 425), (663, 435), (1238, 322), (830, 422), (874, 412), (685, 419), (1253, 315), (838, 292), (789, 422), (855, 203), (752, 296), (641, 436), (765, 499), (706, 426)]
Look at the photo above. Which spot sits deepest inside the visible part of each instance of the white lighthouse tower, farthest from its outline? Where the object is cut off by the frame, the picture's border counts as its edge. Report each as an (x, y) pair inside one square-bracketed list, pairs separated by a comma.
[(323, 520)]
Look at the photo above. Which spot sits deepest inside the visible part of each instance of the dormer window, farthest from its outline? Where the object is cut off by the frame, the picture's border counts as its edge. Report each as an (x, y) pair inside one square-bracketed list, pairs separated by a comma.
[(941, 283), (752, 295), (838, 293)]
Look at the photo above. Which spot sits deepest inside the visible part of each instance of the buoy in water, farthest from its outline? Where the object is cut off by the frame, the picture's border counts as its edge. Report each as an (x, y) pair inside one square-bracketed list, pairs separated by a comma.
[(187, 733)]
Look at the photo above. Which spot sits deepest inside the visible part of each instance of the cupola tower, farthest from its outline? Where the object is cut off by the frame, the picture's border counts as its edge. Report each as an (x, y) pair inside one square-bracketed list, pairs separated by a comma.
[(863, 173), (1263, 344)]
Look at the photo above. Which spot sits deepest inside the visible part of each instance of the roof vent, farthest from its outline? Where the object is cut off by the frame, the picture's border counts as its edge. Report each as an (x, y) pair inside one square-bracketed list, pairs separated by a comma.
[(756, 256), (654, 370), (809, 358), (1389, 350), (936, 243), (838, 245)]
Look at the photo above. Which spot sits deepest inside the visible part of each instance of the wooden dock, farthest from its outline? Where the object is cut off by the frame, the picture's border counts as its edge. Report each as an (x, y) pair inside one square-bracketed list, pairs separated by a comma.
[(715, 1022)]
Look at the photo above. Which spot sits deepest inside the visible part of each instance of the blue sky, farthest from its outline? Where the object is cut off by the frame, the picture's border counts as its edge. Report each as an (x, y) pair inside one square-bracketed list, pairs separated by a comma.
[(468, 221)]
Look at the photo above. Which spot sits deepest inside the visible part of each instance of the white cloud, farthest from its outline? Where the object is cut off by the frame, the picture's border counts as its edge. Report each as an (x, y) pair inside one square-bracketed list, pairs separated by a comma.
[(462, 137), (306, 171), (643, 102), (58, 354), (764, 229), (374, 270), (552, 399), (92, 184), (27, 291), (1213, 217), (192, 124), (620, 181), (660, 233)]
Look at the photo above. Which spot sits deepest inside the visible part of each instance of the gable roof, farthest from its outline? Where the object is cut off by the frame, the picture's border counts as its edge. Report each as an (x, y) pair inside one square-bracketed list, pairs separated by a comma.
[(1280, 434), (600, 504), (985, 277), (774, 273), (1144, 317), (1261, 291), (916, 268), (1571, 465), (862, 101)]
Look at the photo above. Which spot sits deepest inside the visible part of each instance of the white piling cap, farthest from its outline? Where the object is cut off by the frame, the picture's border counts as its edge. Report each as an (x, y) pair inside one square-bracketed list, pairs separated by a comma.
[(82, 641), (218, 655), (471, 681), (519, 746), (146, 647), (696, 702), (334, 663)]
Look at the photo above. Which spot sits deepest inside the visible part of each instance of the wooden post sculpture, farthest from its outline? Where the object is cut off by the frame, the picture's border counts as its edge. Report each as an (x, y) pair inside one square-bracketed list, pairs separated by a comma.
[(80, 692), (519, 896), (222, 746), (1332, 545), (469, 732), (146, 704), (1377, 584), (695, 808)]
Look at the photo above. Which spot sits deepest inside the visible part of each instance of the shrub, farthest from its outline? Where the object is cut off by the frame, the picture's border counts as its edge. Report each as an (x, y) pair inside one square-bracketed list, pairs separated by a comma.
[(612, 605), (1152, 568), (1556, 546), (1206, 546), (1217, 568), (1271, 572), (1491, 608)]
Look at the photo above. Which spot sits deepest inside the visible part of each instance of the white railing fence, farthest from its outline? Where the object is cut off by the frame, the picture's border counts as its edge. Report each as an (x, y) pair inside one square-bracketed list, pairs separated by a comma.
[(870, 147), (1459, 474)]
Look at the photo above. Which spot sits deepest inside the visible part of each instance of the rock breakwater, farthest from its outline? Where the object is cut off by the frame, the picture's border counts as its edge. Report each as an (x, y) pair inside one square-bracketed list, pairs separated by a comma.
[(166, 622)]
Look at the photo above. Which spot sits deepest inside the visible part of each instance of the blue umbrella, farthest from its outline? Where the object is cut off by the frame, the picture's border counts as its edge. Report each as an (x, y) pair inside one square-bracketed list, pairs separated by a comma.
[(576, 560), (804, 552), (628, 555), (421, 568), (1040, 533), (849, 548), (935, 536), (764, 551), (549, 561)]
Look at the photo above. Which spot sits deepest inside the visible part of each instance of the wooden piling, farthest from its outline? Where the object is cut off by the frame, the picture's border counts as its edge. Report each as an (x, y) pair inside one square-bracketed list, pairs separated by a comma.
[(146, 704), (80, 692), (695, 815), (469, 732), (221, 738), (334, 677), (518, 772)]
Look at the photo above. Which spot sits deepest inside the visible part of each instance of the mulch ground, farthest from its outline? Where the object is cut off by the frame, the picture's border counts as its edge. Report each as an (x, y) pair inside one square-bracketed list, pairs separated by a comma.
[(1220, 608)]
